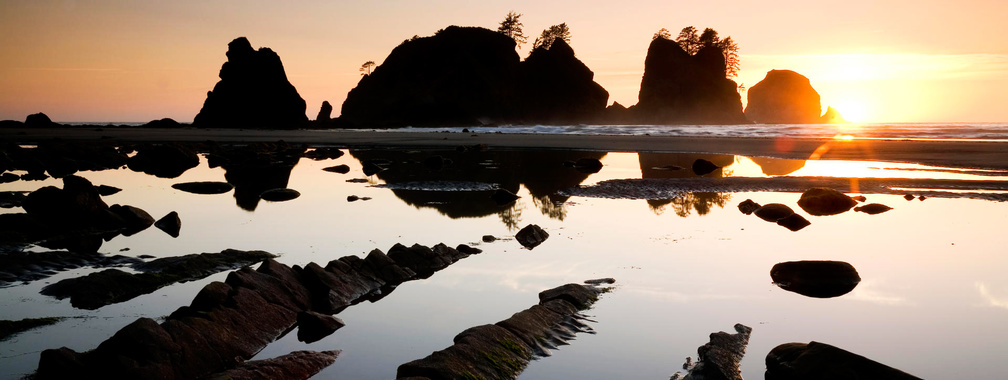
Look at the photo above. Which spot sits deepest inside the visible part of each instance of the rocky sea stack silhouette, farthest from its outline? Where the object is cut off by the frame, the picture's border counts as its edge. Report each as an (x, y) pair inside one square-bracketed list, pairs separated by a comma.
[(786, 97), (253, 93)]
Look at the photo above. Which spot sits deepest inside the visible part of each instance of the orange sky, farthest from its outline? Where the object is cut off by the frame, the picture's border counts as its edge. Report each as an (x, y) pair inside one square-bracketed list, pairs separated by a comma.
[(876, 61)]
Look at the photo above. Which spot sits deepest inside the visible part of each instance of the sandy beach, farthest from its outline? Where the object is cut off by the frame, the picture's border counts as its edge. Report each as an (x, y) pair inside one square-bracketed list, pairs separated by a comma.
[(965, 154)]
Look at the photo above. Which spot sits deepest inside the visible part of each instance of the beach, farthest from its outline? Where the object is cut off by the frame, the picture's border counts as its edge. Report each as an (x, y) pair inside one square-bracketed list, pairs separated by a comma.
[(953, 153)]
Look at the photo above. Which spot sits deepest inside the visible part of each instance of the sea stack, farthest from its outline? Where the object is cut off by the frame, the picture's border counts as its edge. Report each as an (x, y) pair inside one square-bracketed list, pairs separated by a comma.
[(783, 97)]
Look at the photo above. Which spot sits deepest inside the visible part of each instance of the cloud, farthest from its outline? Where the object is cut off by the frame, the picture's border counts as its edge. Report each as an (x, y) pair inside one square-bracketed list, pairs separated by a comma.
[(991, 299)]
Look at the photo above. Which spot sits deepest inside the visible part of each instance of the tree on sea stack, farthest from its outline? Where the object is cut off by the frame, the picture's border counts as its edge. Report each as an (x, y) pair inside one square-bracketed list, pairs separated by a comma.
[(365, 69), (692, 42), (545, 40), (511, 27)]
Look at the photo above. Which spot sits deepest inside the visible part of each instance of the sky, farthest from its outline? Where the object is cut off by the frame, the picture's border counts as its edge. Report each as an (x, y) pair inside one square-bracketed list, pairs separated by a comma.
[(134, 61)]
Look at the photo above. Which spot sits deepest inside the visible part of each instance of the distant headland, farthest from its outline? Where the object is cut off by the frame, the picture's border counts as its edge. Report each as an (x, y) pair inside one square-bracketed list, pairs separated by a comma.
[(473, 76)]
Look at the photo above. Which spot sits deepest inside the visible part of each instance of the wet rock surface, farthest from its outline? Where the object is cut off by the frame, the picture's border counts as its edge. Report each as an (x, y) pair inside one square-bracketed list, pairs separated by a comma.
[(113, 285), (279, 195), (20, 266), (313, 326), (531, 236), (199, 340), (720, 358), (295, 365), (821, 201), (820, 361), (10, 328), (819, 279), (504, 349)]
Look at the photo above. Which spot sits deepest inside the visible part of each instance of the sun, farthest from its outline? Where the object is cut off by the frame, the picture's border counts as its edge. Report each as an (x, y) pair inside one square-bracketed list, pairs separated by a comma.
[(852, 110)]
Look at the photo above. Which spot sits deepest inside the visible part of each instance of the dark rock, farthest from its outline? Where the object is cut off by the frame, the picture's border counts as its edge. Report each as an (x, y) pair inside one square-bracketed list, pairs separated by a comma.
[(371, 168), (588, 165), (255, 168), (319, 154), (436, 162), (19, 266), (793, 222), (921, 198), (601, 281), (9, 177), (279, 195), (295, 365), (819, 279), (467, 250), (38, 120), (748, 206), (821, 201), (10, 199), (420, 259), (678, 88), (253, 92), (76, 206), (489, 238), (773, 212), (171, 224), (859, 198), (783, 97), (908, 197), (163, 160), (820, 361), (163, 123), (104, 190), (873, 208), (212, 295), (581, 296), (357, 180), (325, 112), (556, 87), (313, 326), (133, 219), (504, 197), (720, 358), (8, 328), (531, 236), (341, 169), (206, 187), (703, 167)]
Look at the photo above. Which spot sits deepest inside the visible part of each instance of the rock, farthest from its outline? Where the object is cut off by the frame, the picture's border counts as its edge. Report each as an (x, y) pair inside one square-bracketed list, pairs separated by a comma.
[(581, 296), (341, 169), (601, 281), (773, 212), (859, 198), (279, 195), (783, 97), (503, 197), (748, 206), (680, 89), (38, 120), (30, 266), (720, 358), (921, 198), (793, 222), (873, 208), (319, 154), (10, 199), (252, 80), (162, 123), (820, 361), (819, 279), (171, 224), (467, 250), (9, 177), (163, 160), (313, 326), (104, 190), (704, 167), (76, 206), (531, 236), (821, 201), (832, 116), (133, 219), (255, 168), (556, 87), (205, 187), (489, 238), (8, 328), (588, 165), (295, 365), (908, 197), (325, 112), (371, 168)]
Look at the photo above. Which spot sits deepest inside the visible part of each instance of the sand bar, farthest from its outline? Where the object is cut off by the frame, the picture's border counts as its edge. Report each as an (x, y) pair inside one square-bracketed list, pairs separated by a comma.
[(967, 154)]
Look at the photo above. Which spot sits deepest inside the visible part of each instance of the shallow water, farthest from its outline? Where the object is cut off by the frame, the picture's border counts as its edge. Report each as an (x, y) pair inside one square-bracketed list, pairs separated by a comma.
[(931, 302)]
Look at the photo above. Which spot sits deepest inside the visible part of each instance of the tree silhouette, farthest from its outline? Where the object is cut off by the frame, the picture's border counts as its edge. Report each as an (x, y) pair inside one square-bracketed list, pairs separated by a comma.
[(545, 40), (692, 42), (511, 27), (662, 33), (365, 69)]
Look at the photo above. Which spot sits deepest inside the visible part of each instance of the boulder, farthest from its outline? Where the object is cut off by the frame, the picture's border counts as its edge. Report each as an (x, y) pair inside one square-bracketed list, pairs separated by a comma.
[(773, 212), (279, 195), (163, 160), (38, 120), (204, 187), (748, 206), (253, 92), (873, 208), (341, 169), (531, 236), (818, 279), (313, 326), (820, 361), (76, 206), (325, 112), (793, 222), (832, 116), (171, 224), (133, 219), (678, 88), (821, 201), (783, 97)]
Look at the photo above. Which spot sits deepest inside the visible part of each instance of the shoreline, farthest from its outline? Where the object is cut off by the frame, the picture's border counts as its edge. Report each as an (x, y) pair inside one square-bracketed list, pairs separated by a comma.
[(960, 154)]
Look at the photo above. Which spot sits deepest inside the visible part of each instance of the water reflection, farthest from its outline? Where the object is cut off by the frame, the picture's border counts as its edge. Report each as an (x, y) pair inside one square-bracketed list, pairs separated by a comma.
[(543, 173), (256, 168), (678, 165)]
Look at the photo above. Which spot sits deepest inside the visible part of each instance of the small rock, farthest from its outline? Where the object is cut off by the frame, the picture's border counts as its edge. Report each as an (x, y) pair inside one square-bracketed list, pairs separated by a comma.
[(873, 208), (704, 167), (489, 238), (601, 281), (341, 169), (921, 198), (908, 197), (818, 279), (748, 206), (773, 212), (279, 195), (352, 198), (822, 201), (531, 236), (467, 250), (859, 198), (171, 224), (205, 187), (357, 180), (793, 222)]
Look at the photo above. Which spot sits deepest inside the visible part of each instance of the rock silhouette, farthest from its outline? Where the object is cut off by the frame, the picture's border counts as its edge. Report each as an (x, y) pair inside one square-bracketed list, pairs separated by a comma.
[(721, 357), (820, 361), (253, 92), (171, 224), (531, 236), (679, 88), (164, 160), (783, 97), (325, 112), (38, 120), (204, 187), (873, 208), (295, 365), (819, 279), (822, 201), (557, 87)]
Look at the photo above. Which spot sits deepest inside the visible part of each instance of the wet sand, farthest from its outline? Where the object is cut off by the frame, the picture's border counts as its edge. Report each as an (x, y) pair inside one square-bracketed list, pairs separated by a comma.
[(964, 154)]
